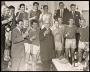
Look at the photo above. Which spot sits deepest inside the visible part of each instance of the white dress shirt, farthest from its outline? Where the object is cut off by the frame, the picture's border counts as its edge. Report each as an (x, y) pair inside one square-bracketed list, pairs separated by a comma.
[(61, 12)]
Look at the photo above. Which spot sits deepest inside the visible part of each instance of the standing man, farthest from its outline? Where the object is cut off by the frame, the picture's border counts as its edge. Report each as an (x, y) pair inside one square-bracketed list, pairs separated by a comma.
[(46, 46), (3, 23), (62, 12), (76, 16), (12, 13), (35, 13), (21, 15), (17, 49)]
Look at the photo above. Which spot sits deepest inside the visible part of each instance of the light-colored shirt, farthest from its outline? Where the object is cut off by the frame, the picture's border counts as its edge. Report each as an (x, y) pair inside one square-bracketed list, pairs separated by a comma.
[(61, 12)]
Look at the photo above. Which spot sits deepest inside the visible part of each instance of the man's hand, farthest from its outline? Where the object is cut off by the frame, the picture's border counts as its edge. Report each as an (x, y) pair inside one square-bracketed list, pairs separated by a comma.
[(25, 35), (46, 32), (10, 19), (33, 37)]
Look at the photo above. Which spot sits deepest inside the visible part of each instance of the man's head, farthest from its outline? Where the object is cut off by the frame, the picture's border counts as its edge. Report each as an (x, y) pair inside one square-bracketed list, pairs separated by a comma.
[(45, 8), (20, 24), (71, 21), (83, 22), (35, 5), (22, 7), (34, 24), (73, 7), (47, 24), (26, 23), (7, 11), (56, 23), (12, 9), (61, 5), (3, 9), (60, 20)]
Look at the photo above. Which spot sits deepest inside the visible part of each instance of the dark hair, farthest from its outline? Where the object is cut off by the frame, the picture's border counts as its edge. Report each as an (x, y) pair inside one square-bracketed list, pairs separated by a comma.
[(61, 3), (45, 6), (72, 5), (33, 21), (22, 5), (35, 3), (11, 7)]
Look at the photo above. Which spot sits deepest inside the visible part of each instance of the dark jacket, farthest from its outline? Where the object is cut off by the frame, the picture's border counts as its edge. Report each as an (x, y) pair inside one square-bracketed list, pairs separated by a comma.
[(65, 15), (46, 45), (76, 17)]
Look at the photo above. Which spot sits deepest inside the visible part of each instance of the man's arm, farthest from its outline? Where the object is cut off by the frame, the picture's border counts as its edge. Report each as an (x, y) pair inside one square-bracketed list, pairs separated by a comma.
[(15, 38), (7, 20)]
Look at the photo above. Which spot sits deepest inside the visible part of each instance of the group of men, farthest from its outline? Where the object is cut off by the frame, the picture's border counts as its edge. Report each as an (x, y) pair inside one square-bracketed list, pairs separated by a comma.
[(25, 36)]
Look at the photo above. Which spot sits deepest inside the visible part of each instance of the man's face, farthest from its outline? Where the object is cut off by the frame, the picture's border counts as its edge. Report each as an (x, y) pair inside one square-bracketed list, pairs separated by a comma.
[(47, 24), (3, 9), (73, 8), (36, 6), (46, 9), (20, 25), (71, 21), (12, 11), (61, 6), (22, 8), (7, 11), (35, 25), (56, 24), (60, 20), (82, 23)]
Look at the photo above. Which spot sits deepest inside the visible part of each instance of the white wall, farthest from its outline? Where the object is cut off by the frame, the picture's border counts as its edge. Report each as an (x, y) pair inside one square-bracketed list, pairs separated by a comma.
[(82, 5)]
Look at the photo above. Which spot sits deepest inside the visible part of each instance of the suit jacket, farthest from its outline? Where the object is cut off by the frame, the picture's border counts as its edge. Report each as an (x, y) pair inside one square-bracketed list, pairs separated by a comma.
[(65, 15), (76, 17), (17, 49), (46, 45)]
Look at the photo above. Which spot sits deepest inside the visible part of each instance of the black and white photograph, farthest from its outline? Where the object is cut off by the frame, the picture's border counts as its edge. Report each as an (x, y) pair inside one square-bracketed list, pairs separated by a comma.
[(44, 35)]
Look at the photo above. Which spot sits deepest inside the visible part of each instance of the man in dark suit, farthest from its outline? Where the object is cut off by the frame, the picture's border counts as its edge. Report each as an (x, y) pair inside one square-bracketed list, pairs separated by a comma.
[(17, 49), (46, 46), (76, 16), (62, 12)]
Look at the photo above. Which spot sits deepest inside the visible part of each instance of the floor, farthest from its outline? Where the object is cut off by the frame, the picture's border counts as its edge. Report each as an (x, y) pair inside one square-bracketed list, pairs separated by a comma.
[(38, 68)]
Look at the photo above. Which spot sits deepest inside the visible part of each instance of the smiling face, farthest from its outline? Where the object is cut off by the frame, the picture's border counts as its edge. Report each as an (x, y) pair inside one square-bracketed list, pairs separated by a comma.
[(22, 8), (47, 24), (73, 8), (61, 6), (34, 25), (36, 6), (20, 25), (45, 9)]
